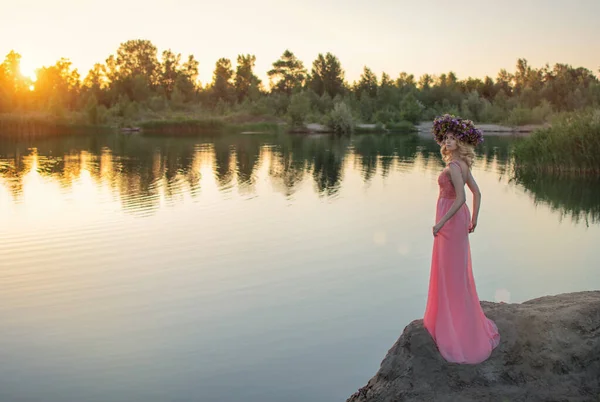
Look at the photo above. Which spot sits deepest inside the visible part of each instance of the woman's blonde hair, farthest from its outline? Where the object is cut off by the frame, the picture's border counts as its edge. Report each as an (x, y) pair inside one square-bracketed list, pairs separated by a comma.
[(466, 152)]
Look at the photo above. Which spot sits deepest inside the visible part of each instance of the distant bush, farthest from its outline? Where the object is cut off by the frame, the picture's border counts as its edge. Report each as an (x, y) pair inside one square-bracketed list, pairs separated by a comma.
[(411, 109), (340, 119), (473, 106), (522, 115), (492, 113), (298, 109), (157, 103), (385, 116)]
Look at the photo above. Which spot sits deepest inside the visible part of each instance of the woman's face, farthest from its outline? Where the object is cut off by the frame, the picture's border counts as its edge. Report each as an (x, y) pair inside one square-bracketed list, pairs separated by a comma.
[(450, 142)]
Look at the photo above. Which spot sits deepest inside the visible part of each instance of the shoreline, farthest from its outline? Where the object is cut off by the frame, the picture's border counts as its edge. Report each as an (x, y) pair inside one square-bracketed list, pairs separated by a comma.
[(424, 129), (494, 129), (40, 126)]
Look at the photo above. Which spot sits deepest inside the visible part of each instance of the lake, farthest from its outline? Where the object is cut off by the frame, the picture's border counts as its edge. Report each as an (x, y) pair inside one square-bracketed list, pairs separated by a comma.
[(250, 267)]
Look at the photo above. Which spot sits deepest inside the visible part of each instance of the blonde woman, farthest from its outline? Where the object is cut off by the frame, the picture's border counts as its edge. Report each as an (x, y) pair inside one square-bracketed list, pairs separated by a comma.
[(453, 316)]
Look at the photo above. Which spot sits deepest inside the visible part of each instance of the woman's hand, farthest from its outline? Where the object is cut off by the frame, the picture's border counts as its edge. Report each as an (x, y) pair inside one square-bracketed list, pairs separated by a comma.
[(472, 225), (438, 226)]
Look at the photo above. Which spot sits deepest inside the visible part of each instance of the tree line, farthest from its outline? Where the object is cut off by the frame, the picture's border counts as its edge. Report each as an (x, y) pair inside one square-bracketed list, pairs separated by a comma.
[(136, 83)]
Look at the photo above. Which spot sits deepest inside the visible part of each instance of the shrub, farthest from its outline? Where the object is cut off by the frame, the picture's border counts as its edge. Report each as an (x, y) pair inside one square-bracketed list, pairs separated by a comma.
[(340, 119)]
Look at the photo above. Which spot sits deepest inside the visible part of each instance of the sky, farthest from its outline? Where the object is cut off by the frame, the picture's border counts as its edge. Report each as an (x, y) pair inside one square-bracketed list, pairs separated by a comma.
[(471, 38)]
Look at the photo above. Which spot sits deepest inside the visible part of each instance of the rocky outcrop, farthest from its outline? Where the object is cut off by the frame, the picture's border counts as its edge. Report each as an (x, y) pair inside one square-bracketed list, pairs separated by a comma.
[(549, 351)]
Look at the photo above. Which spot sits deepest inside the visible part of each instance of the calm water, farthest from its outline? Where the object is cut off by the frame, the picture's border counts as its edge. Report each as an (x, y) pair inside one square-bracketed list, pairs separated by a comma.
[(254, 268)]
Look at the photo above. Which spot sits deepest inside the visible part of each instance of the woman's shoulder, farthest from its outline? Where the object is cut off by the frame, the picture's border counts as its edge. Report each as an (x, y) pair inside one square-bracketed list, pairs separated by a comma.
[(462, 165)]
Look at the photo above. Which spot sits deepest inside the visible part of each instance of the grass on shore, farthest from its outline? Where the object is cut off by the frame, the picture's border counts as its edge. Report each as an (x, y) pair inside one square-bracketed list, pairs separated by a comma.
[(570, 146), (43, 125)]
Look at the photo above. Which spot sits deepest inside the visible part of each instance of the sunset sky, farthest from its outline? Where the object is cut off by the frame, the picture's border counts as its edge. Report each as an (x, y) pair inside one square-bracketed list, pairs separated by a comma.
[(469, 37)]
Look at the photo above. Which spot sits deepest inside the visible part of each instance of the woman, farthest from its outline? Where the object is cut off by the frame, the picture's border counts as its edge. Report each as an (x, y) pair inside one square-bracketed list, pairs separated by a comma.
[(453, 316)]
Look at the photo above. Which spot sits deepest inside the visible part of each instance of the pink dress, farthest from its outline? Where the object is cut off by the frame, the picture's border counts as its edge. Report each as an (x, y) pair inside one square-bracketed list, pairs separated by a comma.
[(453, 316)]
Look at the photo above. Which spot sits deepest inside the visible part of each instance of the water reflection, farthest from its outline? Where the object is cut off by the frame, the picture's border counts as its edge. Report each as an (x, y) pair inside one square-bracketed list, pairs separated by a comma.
[(187, 261), (575, 197), (145, 173)]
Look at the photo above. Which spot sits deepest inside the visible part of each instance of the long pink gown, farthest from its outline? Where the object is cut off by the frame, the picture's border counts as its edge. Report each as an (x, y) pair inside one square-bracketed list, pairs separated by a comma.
[(453, 316)]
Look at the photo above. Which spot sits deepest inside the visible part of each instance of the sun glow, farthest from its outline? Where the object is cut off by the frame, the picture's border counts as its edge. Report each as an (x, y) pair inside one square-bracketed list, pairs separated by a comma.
[(28, 70)]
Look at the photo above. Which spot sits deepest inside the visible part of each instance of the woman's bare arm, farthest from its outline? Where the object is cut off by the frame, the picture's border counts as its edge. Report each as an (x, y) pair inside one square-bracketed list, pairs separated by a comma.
[(476, 200)]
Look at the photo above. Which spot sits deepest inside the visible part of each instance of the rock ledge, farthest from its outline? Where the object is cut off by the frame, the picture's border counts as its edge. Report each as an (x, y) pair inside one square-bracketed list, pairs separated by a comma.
[(549, 351)]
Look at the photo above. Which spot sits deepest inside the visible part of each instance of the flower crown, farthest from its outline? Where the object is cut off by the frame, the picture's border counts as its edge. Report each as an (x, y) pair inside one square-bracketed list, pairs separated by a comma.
[(464, 130)]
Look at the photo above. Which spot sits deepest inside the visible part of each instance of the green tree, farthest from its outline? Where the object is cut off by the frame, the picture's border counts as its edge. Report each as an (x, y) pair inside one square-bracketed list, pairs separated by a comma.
[(405, 83), (445, 90), (427, 94), (405, 80), (135, 58), (425, 82), (563, 81), (4, 95), (169, 71), (366, 107), (175, 76), (58, 86), (13, 86), (411, 109), (247, 85), (504, 82), (12, 71), (95, 82), (387, 91), (472, 84), (327, 75), (288, 73), (520, 76), (367, 84), (488, 89), (187, 79), (222, 85), (138, 57)]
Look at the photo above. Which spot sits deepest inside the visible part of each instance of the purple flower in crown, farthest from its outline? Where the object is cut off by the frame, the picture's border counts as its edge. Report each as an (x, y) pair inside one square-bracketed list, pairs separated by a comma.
[(463, 129)]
